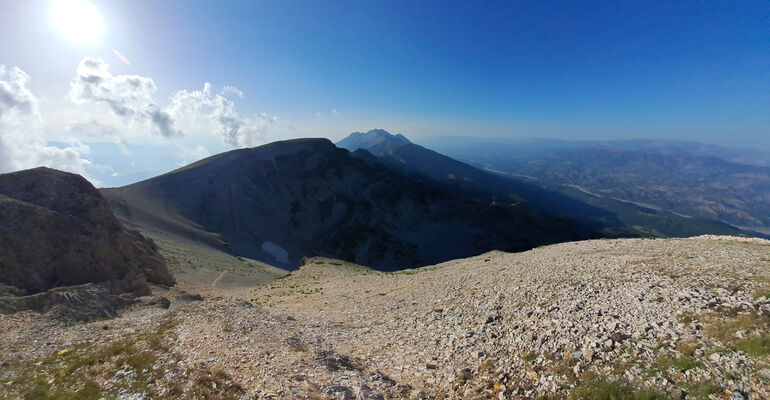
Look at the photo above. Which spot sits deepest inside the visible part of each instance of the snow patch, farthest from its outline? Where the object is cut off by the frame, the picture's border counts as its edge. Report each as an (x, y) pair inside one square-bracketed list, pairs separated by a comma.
[(280, 254)]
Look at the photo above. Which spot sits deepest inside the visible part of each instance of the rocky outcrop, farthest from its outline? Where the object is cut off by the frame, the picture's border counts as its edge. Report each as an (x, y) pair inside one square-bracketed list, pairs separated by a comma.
[(78, 303), (57, 230)]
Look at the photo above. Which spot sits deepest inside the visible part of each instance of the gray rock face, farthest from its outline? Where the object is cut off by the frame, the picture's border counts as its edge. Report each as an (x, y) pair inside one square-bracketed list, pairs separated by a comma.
[(71, 303), (57, 230)]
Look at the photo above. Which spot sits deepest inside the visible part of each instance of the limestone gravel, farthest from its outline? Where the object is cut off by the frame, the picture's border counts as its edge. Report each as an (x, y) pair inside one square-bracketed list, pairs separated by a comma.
[(685, 317)]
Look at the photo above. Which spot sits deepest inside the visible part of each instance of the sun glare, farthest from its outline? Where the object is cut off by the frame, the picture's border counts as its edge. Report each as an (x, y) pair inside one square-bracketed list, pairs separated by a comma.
[(77, 20)]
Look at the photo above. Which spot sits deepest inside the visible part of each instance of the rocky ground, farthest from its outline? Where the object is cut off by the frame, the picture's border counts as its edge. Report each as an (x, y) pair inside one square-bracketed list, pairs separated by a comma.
[(604, 319)]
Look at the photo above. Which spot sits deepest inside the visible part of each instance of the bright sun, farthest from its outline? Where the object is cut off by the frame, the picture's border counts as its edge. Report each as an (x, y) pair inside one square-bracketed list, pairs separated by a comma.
[(77, 20)]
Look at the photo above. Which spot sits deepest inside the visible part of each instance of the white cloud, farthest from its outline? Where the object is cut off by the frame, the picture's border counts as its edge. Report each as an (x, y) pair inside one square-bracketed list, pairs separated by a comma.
[(122, 109), (334, 111), (209, 109), (21, 130), (130, 97), (232, 89), (196, 112)]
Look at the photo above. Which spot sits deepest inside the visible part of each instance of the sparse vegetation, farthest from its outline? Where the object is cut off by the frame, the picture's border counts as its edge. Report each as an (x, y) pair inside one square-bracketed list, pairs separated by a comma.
[(73, 373), (686, 348), (760, 293), (702, 389), (592, 387), (664, 363), (754, 345)]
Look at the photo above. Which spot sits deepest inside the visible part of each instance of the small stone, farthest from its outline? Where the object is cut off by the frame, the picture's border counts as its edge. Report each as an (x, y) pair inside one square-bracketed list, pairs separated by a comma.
[(738, 395)]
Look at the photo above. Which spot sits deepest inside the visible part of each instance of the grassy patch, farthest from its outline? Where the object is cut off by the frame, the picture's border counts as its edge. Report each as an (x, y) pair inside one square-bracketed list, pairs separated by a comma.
[(702, 390), (90, 390), (685, 364), (138, 360), (74, 361), (762, 293), (664, 363), (74, 373), (215, 385), (594, 388), (687, 348), (725, 328), (754, 345)]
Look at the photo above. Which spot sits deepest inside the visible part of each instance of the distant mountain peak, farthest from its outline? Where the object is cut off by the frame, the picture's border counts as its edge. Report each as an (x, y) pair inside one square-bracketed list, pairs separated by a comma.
[(385, 134), (374, 137)]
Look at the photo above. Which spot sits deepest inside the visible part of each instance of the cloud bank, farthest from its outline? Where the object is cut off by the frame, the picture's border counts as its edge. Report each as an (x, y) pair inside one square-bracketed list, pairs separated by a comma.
[(21, 130), (128, 96), (212, 109), (122, 109), (132, 98)]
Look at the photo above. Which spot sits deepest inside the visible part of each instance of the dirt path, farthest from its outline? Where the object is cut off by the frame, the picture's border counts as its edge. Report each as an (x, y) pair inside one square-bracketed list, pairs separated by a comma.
[(218, 278)]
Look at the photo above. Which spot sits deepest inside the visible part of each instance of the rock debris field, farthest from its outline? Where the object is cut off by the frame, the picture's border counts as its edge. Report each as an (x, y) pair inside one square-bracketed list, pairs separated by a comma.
[(629, 318)]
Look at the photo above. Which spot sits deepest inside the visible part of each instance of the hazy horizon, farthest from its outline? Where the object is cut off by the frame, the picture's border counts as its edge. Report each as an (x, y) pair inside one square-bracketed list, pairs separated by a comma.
[(121, 91)]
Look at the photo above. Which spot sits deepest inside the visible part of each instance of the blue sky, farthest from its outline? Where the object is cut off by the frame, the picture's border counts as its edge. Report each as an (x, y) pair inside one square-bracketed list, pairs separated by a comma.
[(688, 70)]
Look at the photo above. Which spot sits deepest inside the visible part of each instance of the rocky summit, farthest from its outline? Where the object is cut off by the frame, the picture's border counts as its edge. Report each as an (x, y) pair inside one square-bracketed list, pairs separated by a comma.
[(600, 319), (56, 230)]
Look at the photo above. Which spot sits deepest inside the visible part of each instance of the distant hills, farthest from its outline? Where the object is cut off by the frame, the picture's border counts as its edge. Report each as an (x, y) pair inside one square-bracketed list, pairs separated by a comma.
[(600, 215), (692, 179), (283, 201)]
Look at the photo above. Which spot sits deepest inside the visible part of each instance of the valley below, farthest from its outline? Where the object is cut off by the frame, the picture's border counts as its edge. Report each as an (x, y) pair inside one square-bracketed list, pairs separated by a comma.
[(620, 318)]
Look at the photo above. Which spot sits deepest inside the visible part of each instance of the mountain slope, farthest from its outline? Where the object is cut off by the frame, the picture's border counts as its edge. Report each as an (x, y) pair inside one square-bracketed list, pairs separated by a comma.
[(401, 155), (287, 200), (591, 213)]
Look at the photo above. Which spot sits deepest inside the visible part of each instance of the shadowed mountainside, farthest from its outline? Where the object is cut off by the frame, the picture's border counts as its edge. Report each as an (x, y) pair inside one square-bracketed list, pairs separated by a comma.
[(287, 200)]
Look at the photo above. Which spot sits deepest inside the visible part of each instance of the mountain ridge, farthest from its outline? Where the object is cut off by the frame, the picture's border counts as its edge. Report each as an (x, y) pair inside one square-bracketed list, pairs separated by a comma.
[(307, 197)]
